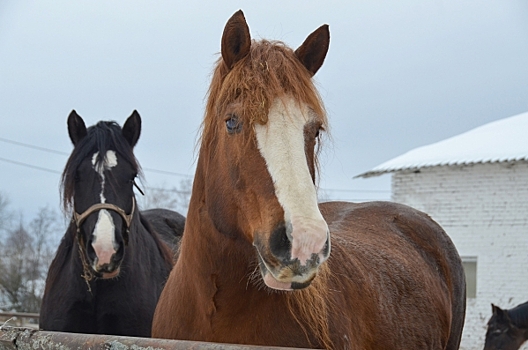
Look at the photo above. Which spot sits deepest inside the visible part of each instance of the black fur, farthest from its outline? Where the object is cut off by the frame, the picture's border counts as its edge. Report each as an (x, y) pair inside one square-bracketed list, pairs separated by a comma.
[(123, 305)]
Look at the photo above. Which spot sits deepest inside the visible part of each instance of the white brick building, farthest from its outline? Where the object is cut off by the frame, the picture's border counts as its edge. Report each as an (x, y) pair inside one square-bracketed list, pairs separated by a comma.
[(475, 185)]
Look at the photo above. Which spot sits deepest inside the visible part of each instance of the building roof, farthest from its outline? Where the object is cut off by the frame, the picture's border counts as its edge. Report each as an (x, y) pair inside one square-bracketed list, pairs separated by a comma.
[(504, 140)]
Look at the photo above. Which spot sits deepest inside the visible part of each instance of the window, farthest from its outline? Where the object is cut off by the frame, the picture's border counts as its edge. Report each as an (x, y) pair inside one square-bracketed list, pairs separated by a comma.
[(470, 270)]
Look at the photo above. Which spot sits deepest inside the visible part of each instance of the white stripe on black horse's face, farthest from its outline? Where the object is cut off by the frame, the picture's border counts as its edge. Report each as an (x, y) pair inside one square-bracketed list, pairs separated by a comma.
[(107, 181)]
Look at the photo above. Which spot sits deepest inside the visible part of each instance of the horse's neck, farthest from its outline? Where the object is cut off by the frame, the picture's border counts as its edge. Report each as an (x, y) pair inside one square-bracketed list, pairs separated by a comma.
[(209, 250), (219, 287), (143, 246), (207, 253), (519, 315)]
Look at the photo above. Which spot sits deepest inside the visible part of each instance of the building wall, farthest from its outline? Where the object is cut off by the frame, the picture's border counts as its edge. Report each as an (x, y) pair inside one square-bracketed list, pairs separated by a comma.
[(484, 209)]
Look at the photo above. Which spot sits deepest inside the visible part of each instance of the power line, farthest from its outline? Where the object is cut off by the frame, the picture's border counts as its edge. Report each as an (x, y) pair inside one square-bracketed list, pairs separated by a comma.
[(188, 192), (355, 191), (49, 150), (324, 199), (30, 166), (34, 147), (146, 169), (166, 172), (167, 190)]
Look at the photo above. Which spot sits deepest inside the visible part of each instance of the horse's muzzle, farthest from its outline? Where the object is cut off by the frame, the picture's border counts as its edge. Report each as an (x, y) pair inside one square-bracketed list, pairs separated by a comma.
[(107, 271), (106, 264), (279, 270)]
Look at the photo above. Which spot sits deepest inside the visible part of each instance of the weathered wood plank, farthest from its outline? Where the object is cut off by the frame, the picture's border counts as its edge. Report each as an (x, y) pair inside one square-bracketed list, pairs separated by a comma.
[(14, 338)]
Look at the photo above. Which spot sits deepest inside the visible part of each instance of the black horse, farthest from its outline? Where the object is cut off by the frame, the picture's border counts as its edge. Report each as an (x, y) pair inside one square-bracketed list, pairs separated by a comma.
[(507, 329), (111, 264)]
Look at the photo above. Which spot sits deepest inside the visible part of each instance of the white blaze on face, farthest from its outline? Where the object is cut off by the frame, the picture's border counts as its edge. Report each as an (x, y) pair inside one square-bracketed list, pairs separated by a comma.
[(104, 232), (108, 162), (281, 144), (103, 238)]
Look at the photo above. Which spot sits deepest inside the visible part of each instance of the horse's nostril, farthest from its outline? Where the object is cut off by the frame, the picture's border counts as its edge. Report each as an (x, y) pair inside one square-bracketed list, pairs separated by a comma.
[(326, 249), (119, 248), (106, 268), (279, 243)]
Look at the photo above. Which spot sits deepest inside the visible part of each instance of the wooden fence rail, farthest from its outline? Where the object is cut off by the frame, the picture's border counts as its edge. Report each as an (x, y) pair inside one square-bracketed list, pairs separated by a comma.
[(14, 338)]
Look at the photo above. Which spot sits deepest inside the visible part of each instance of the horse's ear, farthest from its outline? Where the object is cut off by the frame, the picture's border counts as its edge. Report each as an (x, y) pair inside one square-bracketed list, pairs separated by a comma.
[(76, 127), (236, 40), (132, 128), (313, 51), (494, 309), (502, 315)]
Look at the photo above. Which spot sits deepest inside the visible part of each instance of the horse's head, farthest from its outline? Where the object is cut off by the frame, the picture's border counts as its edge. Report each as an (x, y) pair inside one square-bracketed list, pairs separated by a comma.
[(502, 333), (98, 184), (259, 140)]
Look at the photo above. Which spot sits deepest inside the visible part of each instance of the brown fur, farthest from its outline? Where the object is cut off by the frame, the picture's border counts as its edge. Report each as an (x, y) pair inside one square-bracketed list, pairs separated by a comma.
[(393, 279)]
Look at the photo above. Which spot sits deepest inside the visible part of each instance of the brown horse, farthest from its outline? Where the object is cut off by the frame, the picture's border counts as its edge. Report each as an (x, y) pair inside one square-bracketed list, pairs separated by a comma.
[(255, 264)]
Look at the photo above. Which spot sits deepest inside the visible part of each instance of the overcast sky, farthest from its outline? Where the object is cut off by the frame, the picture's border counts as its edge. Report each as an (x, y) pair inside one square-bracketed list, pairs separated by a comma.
[(398, 75)]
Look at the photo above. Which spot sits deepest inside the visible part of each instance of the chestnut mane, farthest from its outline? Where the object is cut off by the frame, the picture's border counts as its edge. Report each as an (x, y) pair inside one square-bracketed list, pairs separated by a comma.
[(315, 307), (270, 70)]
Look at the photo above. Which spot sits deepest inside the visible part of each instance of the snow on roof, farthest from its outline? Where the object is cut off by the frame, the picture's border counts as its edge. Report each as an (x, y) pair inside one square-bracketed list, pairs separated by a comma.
[(504, 140)]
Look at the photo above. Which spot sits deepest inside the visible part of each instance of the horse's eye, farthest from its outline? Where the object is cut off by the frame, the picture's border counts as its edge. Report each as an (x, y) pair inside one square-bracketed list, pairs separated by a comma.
[(497, 332), (233, 124)]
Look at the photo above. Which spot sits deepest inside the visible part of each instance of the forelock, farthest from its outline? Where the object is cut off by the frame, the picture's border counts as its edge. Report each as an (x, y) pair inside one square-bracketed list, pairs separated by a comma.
[(270, 70), (104, 136)]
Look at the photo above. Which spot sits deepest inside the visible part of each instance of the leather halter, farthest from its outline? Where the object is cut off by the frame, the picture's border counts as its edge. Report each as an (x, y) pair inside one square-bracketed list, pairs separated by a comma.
[(79, 218), (88, 274)]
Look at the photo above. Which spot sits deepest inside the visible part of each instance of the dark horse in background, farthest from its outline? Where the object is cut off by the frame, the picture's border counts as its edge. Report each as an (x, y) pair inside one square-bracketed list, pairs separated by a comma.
[(111, 264), (507, 329), (261, 262)]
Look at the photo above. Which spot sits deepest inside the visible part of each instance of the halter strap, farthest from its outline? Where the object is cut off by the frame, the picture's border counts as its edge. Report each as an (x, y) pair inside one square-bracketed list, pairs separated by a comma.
[(79, 218), (88, 275)]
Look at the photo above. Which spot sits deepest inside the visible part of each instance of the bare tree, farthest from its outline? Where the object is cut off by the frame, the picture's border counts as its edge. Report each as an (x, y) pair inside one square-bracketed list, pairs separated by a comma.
[(14, 277), (25, 255), (175, 198), (6, 216)]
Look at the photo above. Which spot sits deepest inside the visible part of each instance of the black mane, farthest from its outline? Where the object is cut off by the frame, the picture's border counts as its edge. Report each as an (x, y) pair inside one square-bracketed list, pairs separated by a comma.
[(101, 137)]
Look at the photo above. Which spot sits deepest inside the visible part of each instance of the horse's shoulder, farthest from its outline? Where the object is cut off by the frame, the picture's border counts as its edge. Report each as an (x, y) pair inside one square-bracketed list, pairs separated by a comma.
[(61, 272), (64, 250)]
